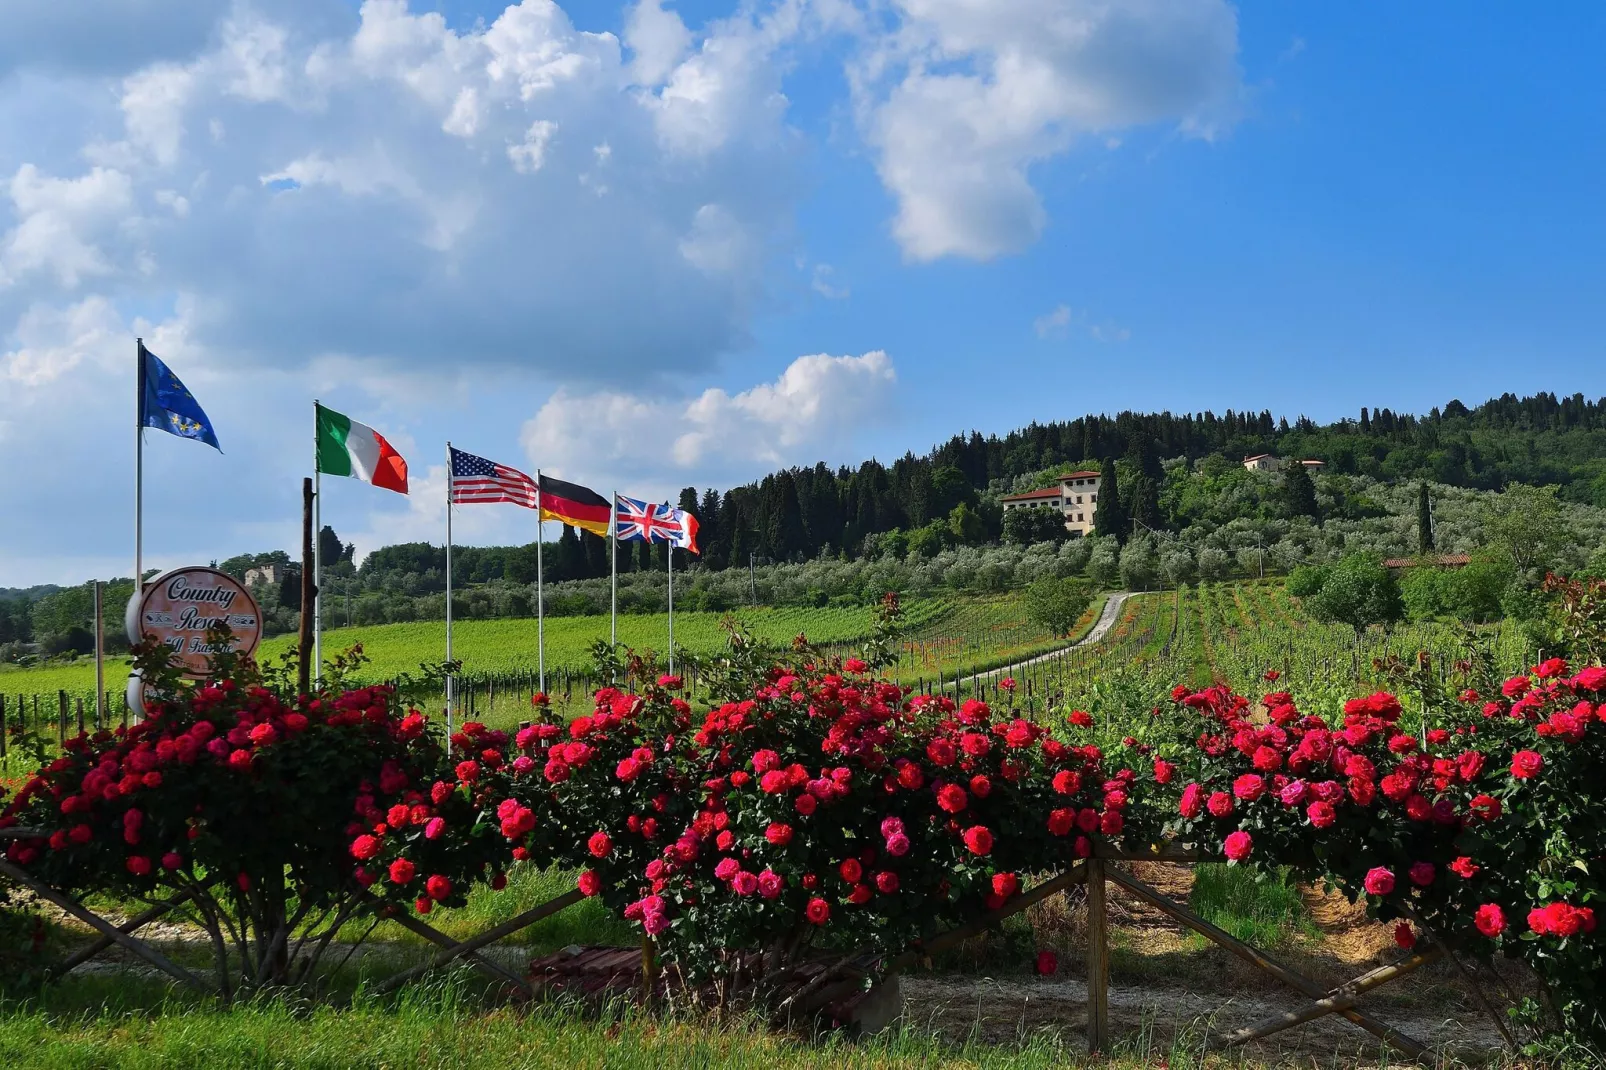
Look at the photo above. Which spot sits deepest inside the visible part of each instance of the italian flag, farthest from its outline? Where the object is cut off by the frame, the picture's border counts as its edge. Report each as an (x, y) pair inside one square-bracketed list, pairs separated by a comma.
[(348, 448)]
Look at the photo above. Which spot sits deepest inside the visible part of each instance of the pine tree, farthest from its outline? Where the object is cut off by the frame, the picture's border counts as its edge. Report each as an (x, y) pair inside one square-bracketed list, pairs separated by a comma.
[(1299, 492), (1110, 518), (1424, 520)]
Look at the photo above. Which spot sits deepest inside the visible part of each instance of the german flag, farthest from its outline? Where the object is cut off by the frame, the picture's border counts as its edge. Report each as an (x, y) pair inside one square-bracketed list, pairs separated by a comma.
[(575, 505)]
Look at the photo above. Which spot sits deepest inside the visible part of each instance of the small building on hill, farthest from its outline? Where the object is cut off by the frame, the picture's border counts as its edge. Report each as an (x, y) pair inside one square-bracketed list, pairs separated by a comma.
[(265, 575), (1270, 462), (1076, 496)]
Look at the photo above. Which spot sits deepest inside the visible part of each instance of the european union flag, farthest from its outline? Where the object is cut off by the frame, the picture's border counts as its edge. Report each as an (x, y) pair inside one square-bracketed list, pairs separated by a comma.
[(166, 403)]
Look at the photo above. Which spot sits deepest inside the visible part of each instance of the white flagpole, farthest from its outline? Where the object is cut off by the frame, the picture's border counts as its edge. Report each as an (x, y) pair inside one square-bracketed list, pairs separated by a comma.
[(670, 554), (613, 568), (317, 554), (540, 596), (139, 466), (449, 689)]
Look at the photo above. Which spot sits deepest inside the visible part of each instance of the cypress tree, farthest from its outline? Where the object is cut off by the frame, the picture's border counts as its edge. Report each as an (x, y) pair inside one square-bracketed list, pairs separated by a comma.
[(1299, 492), (1424, 519), (569, 562), (596, 554), (1110, 518)]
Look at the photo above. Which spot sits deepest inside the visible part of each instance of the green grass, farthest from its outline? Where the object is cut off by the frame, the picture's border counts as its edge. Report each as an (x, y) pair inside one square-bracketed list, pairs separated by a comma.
[(587, 922), (126, 1022), (487, 646), (1265, 913)]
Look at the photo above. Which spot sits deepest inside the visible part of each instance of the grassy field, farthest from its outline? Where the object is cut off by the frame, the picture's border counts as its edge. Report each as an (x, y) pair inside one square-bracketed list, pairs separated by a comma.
[(509, 645)]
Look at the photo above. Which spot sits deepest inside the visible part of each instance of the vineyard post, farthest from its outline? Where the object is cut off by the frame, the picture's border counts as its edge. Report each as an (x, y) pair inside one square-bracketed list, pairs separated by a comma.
[(61, 716), (2, 727), (80, 702)]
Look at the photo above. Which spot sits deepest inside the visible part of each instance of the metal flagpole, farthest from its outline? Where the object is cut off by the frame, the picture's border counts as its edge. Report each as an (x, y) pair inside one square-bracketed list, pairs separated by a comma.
[(317, 554), (540, 595), (670, 554), (100, 654), (449, 674), (613, 570), (139, 466)]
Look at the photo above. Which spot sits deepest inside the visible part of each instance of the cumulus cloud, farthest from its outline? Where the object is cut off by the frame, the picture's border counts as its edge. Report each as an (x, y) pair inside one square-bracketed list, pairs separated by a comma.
[(815, 405), (963, 97), (382, 185)]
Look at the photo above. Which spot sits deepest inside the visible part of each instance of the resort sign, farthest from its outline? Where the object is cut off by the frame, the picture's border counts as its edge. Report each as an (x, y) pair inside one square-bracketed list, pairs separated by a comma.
[(179, 607)]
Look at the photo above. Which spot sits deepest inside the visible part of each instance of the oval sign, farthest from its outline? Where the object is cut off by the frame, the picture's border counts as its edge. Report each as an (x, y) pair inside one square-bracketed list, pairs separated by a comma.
[(179, 606)]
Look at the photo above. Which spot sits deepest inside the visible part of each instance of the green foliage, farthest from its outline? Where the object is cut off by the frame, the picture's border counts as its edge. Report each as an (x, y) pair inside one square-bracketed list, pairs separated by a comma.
[(1057, 604), (1140, 563), (1104, 563), (1424, 520), (1111, 518), (1306, 580), (1299, 492), (1359, 592), (1039, 524), (1526, 524), (1472, 593)]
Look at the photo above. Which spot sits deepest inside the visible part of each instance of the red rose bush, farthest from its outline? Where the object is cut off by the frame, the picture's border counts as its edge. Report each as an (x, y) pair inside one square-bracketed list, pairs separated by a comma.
[(817, 806), (272, 816), (1489, 833)]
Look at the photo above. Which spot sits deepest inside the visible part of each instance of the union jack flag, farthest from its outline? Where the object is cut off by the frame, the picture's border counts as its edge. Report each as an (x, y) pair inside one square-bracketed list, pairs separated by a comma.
[(639, 521)]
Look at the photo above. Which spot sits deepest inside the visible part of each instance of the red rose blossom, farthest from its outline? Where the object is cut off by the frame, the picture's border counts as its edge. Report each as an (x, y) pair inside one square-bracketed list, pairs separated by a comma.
[(978, 840), (1238, 845)]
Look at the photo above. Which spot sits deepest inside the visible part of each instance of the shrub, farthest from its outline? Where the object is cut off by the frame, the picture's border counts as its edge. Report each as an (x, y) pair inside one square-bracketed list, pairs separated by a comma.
[(1489, 835), (258, 808), (816, 806)]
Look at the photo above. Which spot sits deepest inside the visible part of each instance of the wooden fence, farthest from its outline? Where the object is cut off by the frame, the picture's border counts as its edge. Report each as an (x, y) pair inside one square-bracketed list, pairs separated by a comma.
[(847, 975)]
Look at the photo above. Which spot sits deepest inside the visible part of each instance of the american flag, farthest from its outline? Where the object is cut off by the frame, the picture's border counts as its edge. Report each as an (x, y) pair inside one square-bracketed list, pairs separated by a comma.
[(476, 480)]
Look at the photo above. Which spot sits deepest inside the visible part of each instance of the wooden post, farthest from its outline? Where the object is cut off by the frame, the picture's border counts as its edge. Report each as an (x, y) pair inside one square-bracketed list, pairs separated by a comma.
[(104, 927), (2, 727), (80, 715), (308, 593), (61, 716), (489, 936), (649, 967), (1098, 960)]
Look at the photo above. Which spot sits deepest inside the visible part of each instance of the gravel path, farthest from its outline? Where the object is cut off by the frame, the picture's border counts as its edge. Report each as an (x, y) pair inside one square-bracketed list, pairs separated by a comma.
[(1101, 628)]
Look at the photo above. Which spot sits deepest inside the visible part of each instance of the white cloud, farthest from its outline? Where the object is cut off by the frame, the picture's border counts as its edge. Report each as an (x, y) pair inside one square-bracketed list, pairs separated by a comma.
[(1058, 324), (1053, 324), (384, 185), (59, 223), (965, 96), (815, 405), (530, 154), (821, 284), (53, 341), (658, 39)]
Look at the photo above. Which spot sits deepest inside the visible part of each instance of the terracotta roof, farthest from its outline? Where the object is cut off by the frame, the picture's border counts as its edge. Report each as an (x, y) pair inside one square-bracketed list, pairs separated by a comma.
[(1315, 462), (1047, 492), (1257, 457), (1436, 561), (1078, 475)]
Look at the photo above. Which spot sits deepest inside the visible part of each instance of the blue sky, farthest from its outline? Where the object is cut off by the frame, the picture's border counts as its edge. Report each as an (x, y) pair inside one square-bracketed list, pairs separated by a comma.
[(655, 244)]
